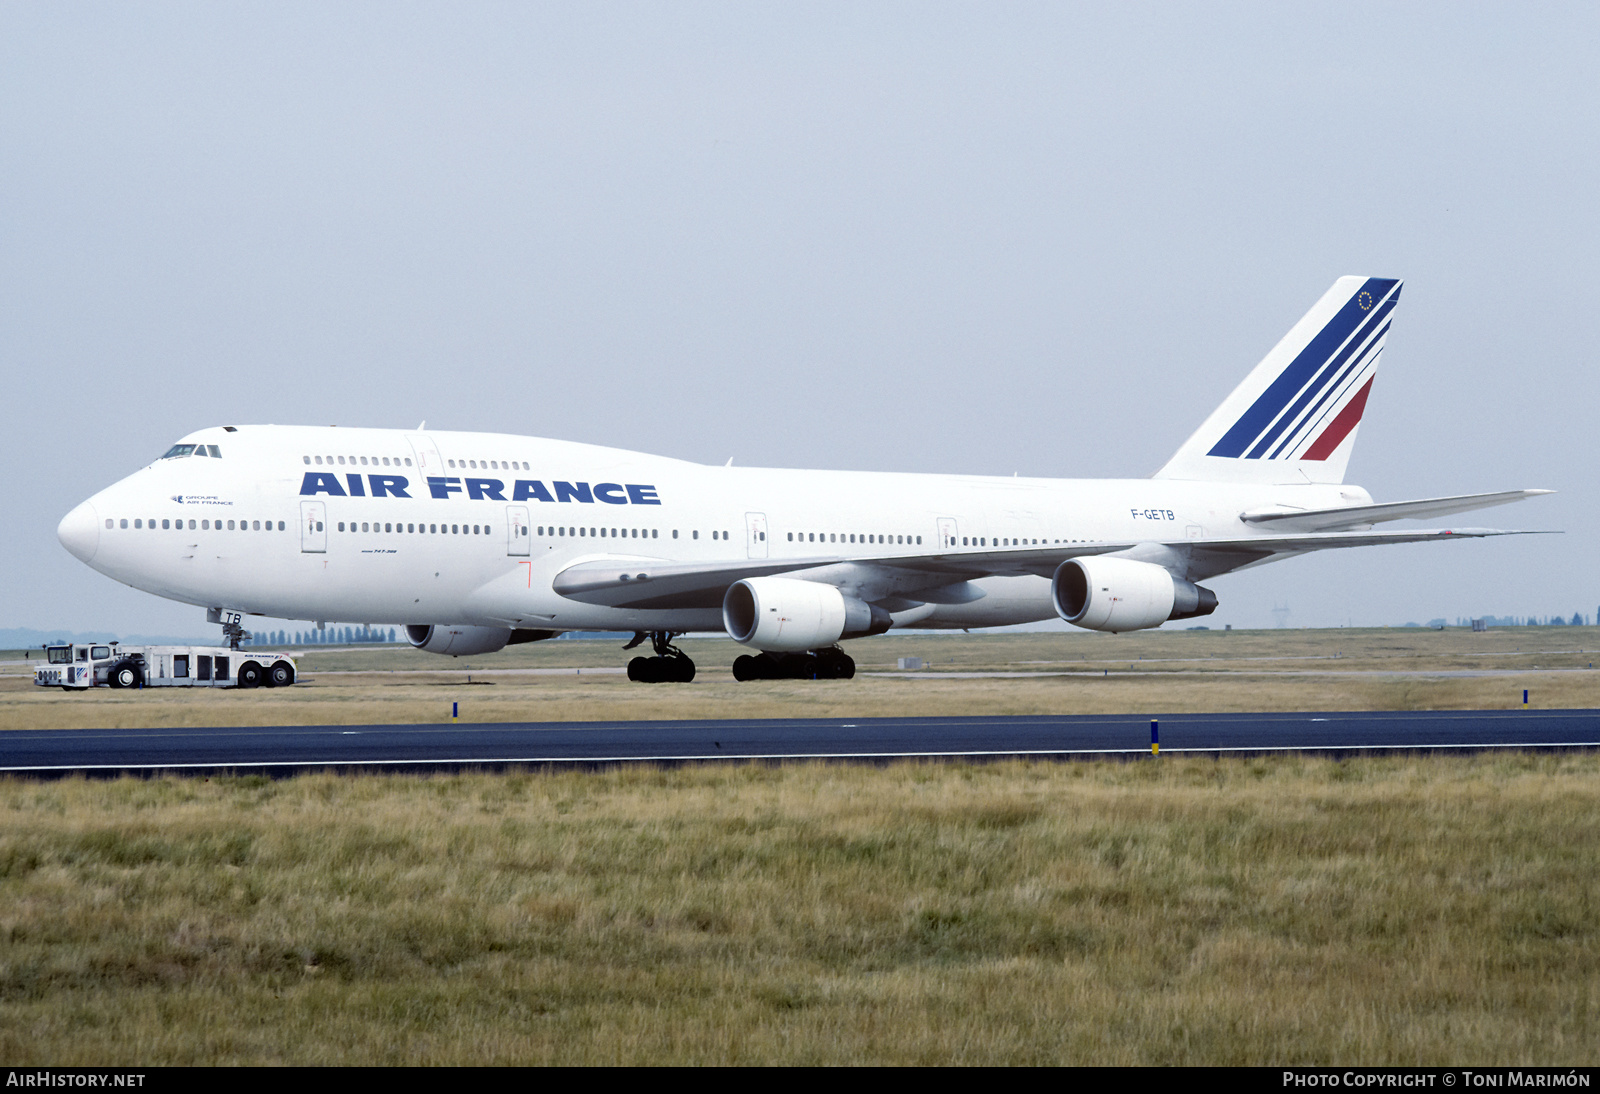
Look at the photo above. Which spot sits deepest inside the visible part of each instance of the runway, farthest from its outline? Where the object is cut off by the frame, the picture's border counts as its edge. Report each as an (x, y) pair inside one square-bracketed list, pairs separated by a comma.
[(289, 749)]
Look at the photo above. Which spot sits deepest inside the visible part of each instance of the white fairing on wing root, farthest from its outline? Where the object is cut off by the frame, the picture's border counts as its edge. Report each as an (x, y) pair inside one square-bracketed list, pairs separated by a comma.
[(483, 536)]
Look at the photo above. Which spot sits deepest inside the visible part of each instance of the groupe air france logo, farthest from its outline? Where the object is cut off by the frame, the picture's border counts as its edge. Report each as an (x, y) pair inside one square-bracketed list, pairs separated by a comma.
[(1364, 300)]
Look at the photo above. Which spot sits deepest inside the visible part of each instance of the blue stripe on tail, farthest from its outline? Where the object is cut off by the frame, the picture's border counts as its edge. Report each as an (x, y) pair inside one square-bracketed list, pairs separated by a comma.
[(1306, 365)]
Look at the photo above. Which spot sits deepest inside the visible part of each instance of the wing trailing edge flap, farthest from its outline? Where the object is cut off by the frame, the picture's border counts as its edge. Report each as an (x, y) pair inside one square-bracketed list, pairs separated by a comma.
[(646, 585), (642, 584)]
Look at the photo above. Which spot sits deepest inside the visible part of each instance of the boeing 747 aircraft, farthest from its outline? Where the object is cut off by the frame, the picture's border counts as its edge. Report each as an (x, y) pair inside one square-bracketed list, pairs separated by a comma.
[(473, 541)]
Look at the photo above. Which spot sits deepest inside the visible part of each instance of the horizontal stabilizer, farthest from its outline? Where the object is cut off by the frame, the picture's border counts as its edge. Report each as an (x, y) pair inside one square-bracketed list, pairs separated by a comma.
[(1353, 516)]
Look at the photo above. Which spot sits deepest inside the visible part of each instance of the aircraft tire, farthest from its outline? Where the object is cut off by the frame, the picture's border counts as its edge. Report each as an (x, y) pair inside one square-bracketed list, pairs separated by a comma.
[(745, 669), (249, 675), (639, 670), (682, 670), (844, 667)]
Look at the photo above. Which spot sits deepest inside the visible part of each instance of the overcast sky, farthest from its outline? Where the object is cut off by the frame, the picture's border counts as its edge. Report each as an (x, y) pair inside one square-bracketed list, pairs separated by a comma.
[(985, 238)]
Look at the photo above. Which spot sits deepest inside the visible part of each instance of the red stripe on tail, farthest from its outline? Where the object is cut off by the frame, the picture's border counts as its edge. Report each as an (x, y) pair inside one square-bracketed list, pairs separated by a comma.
[(1341, 426)]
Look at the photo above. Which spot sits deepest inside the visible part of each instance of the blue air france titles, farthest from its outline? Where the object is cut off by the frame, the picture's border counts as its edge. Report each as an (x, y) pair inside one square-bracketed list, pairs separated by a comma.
[(439, 486)]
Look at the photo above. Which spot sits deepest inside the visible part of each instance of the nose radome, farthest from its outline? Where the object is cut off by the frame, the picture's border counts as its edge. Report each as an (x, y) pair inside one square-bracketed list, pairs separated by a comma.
[(79, 532)]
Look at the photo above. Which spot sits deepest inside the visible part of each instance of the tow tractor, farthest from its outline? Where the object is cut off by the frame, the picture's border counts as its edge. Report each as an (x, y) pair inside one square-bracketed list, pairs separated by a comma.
[(75, 667)]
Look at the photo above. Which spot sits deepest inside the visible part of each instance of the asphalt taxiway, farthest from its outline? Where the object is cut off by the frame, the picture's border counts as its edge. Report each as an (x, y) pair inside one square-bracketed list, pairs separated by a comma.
[(452, 746)]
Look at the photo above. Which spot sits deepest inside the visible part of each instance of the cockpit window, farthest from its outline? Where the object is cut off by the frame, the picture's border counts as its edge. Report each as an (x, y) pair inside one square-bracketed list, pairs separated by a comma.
[(193, 450)]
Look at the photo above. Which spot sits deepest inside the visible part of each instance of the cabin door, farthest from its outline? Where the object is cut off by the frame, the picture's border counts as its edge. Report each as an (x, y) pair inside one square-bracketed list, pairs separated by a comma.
[(313, 527), (517, 537), (947, 533), (755, 534)]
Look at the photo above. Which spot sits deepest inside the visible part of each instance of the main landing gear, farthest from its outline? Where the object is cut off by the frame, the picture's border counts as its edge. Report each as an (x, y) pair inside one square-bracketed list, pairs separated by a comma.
[(828, 664), (670, 665)]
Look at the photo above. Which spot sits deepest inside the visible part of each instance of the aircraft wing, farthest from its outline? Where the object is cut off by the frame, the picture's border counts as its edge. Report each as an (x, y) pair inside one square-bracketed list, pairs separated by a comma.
[(939, 578)]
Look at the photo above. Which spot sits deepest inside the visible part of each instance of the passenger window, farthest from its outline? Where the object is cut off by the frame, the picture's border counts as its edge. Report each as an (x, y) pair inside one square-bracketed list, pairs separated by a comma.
[(138, 523), (341, 526), (654, 534), (319, 461), (164, 523), (110, 523), (308, 459)]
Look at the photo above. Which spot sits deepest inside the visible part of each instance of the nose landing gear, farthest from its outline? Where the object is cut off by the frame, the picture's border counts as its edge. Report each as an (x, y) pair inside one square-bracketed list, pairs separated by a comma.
[(670, 665)]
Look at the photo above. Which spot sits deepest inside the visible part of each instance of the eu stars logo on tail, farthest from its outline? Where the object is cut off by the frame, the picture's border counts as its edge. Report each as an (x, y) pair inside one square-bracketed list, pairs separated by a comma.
[(1294, 418)]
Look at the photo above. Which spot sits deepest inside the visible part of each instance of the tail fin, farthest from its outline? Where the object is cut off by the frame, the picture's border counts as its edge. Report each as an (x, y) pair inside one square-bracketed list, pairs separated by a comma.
[(1294, 418)]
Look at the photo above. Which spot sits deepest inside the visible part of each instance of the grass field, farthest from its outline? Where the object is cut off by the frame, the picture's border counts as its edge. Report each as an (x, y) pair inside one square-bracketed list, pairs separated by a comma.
[(1154, 672), (1395, 911), (1280, 910)]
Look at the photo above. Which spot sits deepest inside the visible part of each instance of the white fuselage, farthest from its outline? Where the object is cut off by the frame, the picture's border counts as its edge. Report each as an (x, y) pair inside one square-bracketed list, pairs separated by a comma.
[(433, 536)]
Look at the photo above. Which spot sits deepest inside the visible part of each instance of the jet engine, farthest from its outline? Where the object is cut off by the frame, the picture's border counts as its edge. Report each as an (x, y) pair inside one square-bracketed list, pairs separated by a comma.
[(466, 641), (782, 614), (1119, 594)]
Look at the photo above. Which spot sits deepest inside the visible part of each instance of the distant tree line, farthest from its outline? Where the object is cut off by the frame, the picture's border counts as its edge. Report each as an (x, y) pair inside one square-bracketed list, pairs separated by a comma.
[(328, 636), (1578, 620)]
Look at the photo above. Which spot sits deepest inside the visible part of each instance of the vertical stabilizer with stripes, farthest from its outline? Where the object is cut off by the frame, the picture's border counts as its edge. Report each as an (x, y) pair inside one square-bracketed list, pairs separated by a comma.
[(1294, 418)]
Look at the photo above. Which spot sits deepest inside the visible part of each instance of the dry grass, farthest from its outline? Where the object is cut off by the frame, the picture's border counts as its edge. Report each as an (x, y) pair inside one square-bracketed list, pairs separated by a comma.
[(1159, 672), (1280, 910)]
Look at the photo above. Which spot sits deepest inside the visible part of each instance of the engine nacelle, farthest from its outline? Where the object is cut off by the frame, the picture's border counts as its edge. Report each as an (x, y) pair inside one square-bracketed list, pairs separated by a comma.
[(467, 641), (781, 614), (1119, 594)]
